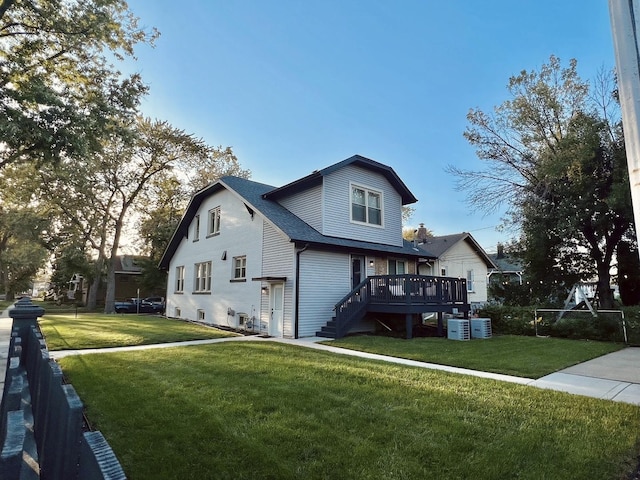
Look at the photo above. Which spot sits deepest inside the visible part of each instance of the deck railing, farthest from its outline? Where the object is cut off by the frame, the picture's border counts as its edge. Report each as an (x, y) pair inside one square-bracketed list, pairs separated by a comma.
[(416, 290), (420, 289)]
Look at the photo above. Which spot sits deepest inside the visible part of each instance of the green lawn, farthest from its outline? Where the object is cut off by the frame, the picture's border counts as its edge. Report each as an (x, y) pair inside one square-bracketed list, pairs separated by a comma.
[(263, 410), (91, 330), (530, 357)]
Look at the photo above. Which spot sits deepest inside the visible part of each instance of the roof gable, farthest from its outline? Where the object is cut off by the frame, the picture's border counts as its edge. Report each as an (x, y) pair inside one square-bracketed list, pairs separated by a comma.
[(439, 245), (316, 177)]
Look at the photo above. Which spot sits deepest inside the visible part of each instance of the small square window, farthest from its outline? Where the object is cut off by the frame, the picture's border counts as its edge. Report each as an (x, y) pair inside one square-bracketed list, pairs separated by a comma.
[(201, 316), (240, 268)]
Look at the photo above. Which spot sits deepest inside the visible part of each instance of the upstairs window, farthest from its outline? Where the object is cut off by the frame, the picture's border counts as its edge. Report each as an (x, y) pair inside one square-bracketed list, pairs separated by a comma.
[(366, 205), (214, 221), (469, 280), (196, 228), (203, 277)]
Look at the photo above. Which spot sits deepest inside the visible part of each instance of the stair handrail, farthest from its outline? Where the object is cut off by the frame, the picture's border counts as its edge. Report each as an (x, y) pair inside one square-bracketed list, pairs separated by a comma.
[(352, 304)]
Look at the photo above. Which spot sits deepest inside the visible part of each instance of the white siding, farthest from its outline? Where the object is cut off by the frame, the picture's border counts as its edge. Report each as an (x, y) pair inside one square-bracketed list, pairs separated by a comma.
[(307, 205), (461, 258), (337, 207), (324, 280), (278, 261), (239, 235)]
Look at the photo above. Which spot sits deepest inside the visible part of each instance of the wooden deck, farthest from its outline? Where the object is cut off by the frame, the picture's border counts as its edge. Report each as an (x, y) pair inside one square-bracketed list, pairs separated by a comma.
[(399, 294)]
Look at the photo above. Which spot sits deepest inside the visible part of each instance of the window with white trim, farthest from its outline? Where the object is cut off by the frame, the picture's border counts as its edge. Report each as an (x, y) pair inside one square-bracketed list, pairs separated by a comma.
[(366, 205), (240, 268), (180, 279), (469, 280), (213, 227), (196, 228), (200, 314), (397, 267), (443, 272), (203, 277)]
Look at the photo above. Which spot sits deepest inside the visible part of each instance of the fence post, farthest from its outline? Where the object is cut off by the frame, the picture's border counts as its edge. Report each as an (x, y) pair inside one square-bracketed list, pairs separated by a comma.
[(25, 314)]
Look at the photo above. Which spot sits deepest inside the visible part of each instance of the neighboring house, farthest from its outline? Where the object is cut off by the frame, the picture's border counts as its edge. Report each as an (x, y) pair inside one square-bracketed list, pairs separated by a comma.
[(127, 275), (458, 255), (289, 261), (508, 269)]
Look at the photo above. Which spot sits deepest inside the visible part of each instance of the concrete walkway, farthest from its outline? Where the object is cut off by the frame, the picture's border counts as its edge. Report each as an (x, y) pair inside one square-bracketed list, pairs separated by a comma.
[(615, 376)]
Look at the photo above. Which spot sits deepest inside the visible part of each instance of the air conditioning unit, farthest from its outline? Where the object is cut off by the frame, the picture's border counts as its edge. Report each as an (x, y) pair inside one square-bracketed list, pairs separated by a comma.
[(480, 328), (458, 329)]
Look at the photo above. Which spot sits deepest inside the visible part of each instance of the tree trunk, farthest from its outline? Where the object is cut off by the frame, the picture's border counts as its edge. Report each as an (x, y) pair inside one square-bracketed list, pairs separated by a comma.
[(92, 297), (110, 297), (605, 292)]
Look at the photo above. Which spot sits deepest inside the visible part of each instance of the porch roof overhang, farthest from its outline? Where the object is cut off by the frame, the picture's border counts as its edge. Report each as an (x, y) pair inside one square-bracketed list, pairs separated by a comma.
[(269, 279)]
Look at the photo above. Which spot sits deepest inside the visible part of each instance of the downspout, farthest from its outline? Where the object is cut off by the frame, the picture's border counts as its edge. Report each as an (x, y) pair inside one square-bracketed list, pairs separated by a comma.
[(306, 245)]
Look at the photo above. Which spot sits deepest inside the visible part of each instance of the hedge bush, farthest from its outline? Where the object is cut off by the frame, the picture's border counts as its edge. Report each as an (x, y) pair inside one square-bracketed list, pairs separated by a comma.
[(508, 320)]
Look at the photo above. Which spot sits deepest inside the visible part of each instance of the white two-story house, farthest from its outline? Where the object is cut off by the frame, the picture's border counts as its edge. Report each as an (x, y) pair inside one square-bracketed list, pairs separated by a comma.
[(277, 260)]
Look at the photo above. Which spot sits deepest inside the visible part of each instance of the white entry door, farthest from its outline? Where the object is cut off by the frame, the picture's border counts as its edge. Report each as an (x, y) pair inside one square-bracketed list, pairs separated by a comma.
[(276, 303)]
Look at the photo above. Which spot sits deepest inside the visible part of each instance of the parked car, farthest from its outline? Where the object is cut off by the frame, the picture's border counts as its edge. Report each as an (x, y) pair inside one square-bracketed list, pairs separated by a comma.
[(134, 305), (157, 302)]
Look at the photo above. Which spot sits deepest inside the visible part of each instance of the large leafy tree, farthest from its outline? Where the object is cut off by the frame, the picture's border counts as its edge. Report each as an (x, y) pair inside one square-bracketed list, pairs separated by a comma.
[(59, 92), (554, 152), (98, 196), (24, 231), (135, 187)]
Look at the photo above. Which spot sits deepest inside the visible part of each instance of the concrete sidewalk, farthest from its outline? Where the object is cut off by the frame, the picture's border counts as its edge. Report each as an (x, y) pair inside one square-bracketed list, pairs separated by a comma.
[(615, 376)]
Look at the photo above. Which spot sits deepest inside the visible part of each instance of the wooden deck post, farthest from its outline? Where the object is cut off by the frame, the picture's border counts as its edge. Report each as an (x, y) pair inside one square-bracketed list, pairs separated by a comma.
[(409, 322)]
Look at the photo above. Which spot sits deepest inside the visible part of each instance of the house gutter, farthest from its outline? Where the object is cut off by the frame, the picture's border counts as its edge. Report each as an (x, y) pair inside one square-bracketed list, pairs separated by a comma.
[(306, 246)]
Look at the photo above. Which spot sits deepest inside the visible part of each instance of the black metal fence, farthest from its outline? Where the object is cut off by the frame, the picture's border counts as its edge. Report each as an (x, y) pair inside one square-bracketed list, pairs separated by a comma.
[(41, 418)]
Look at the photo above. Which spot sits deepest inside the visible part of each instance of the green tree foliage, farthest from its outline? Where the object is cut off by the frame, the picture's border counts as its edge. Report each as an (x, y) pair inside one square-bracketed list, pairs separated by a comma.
[(59, 93), (555, 154), (70, 260), (24, 231)]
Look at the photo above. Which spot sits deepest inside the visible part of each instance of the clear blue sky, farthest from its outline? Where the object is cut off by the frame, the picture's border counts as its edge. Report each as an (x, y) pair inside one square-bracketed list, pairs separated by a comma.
[(294, 86)]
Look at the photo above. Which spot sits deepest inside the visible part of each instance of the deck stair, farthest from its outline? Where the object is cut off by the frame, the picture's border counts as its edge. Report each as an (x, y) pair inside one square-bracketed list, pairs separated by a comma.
[(400, 294)]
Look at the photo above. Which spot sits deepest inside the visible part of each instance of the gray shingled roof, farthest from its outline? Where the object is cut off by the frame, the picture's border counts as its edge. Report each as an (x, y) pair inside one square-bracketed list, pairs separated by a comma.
[(440, 244), (255, 196)]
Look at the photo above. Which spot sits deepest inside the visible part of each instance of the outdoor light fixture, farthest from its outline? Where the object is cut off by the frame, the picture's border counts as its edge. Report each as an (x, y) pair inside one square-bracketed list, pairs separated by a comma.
[(371, 263), (265, 290)]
